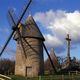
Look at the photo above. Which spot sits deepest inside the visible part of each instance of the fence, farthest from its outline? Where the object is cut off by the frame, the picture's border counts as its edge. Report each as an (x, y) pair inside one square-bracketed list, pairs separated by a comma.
[(57, 77), (3, 77)]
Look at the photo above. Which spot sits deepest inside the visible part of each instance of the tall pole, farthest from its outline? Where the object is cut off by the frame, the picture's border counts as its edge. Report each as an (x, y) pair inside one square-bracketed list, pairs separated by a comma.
[(68, 49)]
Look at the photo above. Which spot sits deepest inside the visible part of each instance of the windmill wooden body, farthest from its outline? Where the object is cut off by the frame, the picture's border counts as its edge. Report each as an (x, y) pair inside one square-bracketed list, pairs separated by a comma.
[(32, 63)]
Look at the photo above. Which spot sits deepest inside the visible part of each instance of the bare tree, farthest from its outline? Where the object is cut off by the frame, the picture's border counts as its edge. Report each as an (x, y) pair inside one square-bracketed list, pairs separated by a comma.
[(7, 66)]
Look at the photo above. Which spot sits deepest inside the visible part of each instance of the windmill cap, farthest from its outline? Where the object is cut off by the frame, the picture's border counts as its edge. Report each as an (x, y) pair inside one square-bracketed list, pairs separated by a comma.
[(30, 29)]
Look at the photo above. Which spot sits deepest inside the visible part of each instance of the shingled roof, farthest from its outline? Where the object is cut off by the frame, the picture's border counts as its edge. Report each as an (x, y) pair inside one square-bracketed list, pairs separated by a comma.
[(30, 29)]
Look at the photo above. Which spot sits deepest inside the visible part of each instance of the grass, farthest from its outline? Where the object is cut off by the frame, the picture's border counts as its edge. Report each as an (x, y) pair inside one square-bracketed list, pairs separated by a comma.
[(50, 77), (17, 77)]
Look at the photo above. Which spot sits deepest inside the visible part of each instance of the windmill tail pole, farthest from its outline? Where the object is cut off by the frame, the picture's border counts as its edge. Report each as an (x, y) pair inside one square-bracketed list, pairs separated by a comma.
[(50, 58)]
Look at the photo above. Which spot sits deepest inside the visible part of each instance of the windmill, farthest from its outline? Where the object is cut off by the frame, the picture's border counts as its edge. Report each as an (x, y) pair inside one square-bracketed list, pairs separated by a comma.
[(22, 42)]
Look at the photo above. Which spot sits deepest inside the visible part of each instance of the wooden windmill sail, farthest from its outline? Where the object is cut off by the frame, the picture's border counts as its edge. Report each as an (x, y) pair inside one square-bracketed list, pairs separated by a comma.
[(55, 59), (15, 26)]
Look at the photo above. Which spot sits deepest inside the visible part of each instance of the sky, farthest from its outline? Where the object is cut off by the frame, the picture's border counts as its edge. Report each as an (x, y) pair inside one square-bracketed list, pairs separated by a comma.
[(55, 18)]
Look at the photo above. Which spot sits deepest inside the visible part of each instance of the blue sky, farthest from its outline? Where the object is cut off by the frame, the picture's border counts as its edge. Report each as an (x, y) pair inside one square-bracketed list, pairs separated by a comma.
[(55, 19)]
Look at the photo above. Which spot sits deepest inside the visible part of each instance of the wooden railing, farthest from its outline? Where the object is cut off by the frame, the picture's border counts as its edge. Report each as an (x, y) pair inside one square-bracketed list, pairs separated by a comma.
[(57, 77), (3, 77)]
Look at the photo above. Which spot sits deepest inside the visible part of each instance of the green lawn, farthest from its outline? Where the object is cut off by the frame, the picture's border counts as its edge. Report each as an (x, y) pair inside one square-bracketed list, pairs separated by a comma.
[(50, 77), (17, 77)]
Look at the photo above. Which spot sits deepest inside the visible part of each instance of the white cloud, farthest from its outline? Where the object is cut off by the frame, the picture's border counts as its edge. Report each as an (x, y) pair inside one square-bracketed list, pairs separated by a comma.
[(52, 41), (60, 23)]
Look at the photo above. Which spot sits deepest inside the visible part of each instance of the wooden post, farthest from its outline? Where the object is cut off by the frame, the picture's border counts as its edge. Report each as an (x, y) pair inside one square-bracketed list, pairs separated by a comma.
[(62, 77), (72, 77), (69, 76), (76, 72), (40, 78)]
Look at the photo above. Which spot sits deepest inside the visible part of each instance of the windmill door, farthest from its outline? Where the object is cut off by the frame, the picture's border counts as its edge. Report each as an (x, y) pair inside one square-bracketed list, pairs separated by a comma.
[(29, 71)]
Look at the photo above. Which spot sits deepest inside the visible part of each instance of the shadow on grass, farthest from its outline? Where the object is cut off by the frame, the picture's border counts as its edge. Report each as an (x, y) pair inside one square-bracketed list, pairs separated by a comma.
[(17, 77)]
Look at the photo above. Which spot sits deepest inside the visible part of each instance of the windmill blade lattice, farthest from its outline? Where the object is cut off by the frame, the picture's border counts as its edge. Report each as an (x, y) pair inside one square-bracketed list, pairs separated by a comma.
[(15, 27), (11, 14)]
